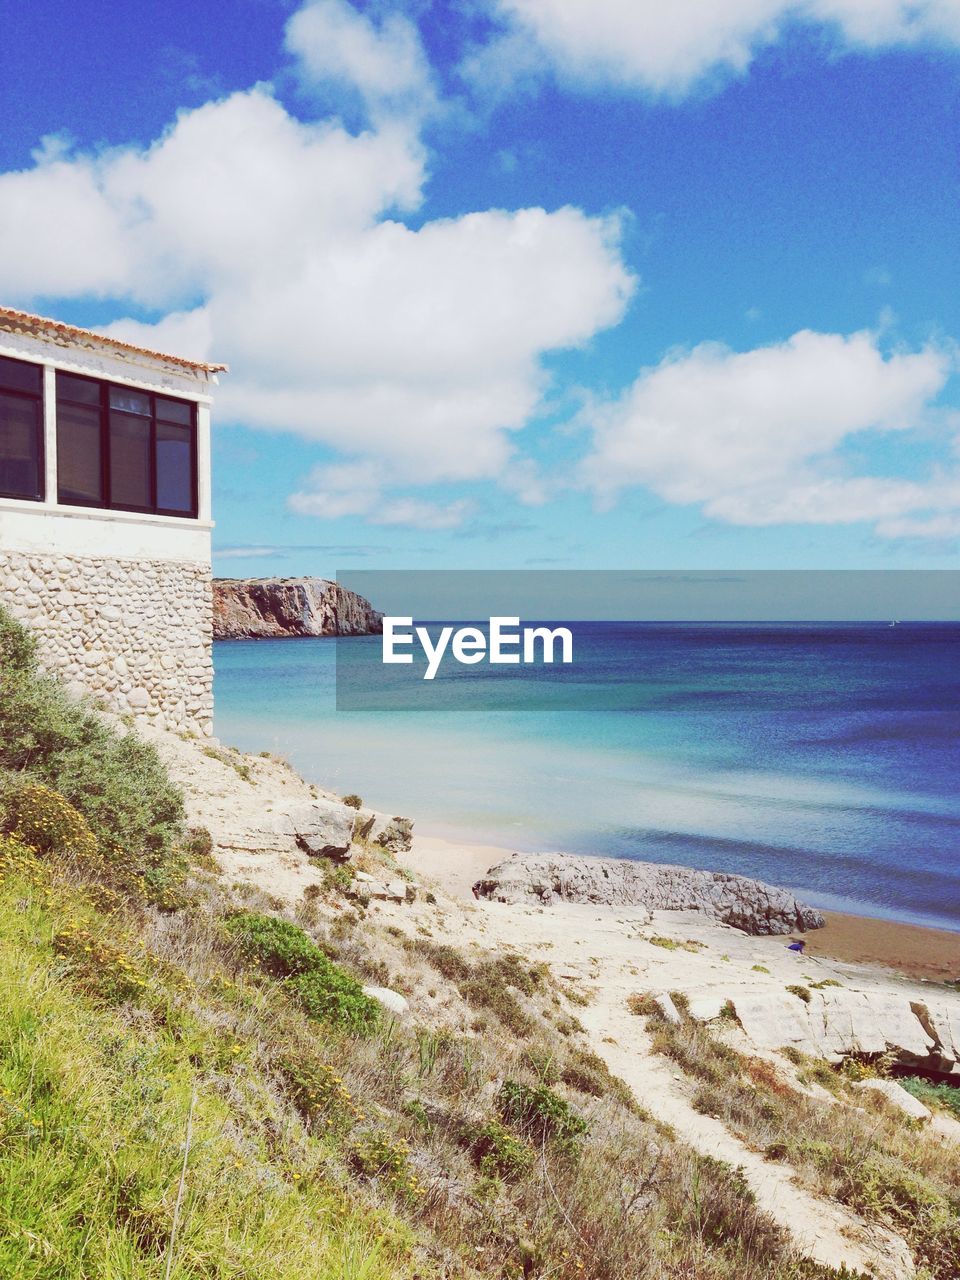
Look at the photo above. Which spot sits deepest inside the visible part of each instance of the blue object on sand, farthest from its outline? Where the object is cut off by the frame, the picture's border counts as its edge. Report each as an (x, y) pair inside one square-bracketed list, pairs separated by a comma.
[(796, 946)]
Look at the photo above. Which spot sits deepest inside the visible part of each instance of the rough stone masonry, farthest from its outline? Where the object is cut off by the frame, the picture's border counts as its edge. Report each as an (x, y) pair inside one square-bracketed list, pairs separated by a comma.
[(136, 634)]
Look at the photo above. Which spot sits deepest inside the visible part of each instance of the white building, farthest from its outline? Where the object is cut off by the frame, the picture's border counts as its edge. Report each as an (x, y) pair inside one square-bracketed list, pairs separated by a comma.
[(105, 514)]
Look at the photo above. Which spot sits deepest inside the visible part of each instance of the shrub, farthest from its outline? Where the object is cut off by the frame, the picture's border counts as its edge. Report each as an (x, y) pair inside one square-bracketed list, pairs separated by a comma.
[(377, 1156), (498, 1153), (674, 944), (101, 969), (329, 994), (337, 877), (42, 819), (540, 1114), (486, 983), (642, 1004), (324, 990), (280, 948), (589, 1073), (353, 801), (197, 845), (114, 779), (18, 648), (937, 1095), (318, 1093)]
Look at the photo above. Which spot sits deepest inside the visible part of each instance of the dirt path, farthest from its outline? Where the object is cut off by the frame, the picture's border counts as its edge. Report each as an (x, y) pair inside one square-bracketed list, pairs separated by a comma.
[(822, 1229)]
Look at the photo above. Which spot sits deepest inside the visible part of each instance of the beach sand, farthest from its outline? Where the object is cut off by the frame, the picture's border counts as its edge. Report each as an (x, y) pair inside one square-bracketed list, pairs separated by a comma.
[(918, 952), (933, 954)]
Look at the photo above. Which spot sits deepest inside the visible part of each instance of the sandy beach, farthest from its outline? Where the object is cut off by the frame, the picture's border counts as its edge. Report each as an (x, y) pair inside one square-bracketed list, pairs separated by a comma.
[(913, 950)]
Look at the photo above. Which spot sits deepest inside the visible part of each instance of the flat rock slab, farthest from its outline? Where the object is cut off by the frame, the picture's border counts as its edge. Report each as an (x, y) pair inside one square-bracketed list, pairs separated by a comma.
[(837, 1022), (392, 1001)]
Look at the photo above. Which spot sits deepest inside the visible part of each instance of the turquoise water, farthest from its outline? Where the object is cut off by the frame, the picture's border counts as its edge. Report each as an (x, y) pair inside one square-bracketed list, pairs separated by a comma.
[(820, 757)]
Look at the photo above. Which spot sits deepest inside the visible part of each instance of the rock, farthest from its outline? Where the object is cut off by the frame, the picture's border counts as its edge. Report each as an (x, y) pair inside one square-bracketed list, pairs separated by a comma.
[(384, 891), (393, 834), (838, 1022), (777, 1020), (664, 1003), (750, 905), (323, 828), (255, 608), (392, 1001), (898, 1097), (705, 1008)]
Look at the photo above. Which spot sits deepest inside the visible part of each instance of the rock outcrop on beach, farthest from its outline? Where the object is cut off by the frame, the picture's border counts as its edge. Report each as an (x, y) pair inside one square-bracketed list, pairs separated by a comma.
[(749, 905), (271, 608), (835, 1022)]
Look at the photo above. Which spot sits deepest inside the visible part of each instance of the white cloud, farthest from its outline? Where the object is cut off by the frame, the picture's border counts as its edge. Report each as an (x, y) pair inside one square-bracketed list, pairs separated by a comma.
[(269, 243), (758, 438), (938, 528), (356, 489), (384, 63), (670, 48)]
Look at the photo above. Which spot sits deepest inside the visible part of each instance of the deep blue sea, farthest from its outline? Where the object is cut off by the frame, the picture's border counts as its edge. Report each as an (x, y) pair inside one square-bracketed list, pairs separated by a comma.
[(822, 757)]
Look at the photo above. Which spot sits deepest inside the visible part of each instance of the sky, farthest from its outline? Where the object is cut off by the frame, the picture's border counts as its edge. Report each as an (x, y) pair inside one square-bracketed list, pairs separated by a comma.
[(518, 284)]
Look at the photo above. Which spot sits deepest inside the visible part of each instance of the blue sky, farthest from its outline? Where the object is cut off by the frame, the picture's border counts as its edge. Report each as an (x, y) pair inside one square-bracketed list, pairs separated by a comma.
[(513, 283)]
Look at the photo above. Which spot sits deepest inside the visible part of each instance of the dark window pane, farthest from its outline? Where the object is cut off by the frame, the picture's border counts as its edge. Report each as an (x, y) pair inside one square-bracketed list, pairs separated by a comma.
[(129, 461), (175, 411), (19, 447), (79, 390), (174, 468), (79, 474), (18, 375), (129, 401)]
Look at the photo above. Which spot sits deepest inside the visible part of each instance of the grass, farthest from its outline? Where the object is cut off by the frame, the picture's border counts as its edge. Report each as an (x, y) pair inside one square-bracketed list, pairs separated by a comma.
[(938, 1095), (231, 759), (861, 1153), (674, 944), (93, 1118), (313, 1152)]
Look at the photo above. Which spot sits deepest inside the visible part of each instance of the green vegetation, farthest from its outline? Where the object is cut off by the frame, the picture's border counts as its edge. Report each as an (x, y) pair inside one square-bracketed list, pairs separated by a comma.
[(500, 1153), (322, 988), (111, 777), (939, 1096), (232, 759), (98, 1118), (353, 801), (801, 992), (488, 983), (540, 1114), (674, 944)]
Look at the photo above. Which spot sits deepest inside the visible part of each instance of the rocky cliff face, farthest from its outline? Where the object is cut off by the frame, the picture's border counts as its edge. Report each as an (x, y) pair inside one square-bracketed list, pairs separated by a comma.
[(268, 608), (746, 904)]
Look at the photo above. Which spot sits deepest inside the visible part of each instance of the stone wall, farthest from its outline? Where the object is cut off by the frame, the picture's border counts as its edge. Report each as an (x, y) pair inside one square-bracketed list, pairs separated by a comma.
[(134, 633)]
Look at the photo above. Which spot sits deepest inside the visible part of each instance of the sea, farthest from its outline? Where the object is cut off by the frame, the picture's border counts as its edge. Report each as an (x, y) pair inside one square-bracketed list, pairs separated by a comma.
[(823, 757)]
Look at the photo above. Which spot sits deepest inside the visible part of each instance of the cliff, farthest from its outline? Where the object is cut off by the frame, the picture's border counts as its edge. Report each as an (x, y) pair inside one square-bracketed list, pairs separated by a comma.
[(269, 608)]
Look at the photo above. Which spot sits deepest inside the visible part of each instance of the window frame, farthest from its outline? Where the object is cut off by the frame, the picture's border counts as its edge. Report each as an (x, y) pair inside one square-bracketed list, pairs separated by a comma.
[(103, 403), (37, 397)]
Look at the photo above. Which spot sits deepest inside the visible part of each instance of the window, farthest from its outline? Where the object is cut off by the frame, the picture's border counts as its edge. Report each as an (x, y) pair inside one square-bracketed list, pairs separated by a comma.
[(21, 429), (126, 449)]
